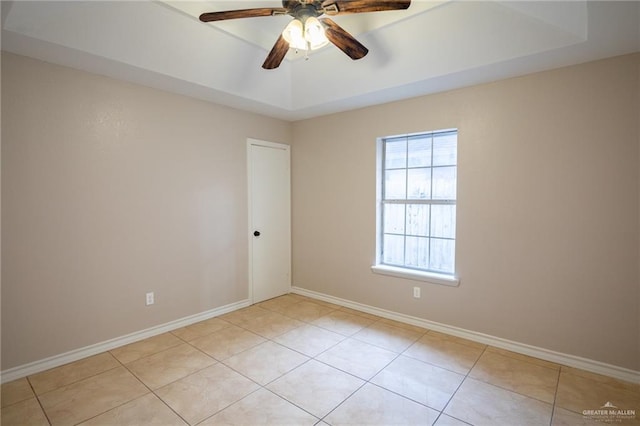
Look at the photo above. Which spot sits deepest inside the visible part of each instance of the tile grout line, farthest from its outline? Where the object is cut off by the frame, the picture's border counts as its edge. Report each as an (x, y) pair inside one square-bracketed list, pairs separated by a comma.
[(119, 405), (75, 381), (523, 358), (466, 376), (261, 386), (38, 399), (441, 367), (368, 381), (271, 339), (37, 396), (555, 398), (151, 391), (314, 358), (293, 403), (512, 390), (345, 399), (217, 361)]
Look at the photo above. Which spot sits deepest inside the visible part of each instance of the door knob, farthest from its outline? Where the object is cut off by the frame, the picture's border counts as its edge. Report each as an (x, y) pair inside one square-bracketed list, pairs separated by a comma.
[(256, 233)]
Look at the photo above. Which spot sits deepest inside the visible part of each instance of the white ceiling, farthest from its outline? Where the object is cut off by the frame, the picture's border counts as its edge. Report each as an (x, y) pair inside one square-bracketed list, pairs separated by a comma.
[(431, 47)]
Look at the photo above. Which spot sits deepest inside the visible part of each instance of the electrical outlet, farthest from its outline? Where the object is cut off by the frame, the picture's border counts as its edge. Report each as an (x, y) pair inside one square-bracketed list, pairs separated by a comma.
[(150, 299), (416, 292)]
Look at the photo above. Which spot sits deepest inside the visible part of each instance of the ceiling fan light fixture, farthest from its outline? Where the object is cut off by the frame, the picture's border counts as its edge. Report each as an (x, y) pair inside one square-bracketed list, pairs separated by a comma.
[(294, 35), (307, 36), (314, 33)]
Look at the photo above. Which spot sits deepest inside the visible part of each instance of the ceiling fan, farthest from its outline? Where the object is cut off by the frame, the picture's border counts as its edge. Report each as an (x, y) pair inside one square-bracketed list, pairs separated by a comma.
[(306, 31)]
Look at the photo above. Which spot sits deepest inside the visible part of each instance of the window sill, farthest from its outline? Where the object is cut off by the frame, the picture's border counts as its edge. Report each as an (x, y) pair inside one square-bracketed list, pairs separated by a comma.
[(410, 274)]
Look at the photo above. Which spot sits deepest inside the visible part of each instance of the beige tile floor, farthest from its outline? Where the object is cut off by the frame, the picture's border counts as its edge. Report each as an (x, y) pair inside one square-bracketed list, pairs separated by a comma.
[(298, 361)]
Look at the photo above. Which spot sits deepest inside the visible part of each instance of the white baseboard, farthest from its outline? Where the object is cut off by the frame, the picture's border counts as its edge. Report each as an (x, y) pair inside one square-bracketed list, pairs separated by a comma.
[(74, 355), (521, 348), (537, 352)]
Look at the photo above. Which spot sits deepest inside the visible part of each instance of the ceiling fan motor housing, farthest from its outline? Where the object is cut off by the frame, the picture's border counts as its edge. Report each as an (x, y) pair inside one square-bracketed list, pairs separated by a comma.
[(303, 9)]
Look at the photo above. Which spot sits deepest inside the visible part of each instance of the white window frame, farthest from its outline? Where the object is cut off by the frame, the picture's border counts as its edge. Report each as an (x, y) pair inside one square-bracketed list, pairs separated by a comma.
[(399, 271)]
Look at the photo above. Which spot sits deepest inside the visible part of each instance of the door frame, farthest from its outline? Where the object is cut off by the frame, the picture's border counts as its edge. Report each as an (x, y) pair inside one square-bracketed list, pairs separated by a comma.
[(266, 144)]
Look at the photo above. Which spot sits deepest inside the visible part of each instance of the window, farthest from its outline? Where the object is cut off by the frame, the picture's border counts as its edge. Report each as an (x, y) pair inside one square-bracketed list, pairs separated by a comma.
[(417, 205)]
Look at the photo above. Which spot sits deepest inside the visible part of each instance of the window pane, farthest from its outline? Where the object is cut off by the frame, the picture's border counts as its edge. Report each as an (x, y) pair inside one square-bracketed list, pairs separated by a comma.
[(418, 219), (417, 252), (442, 255), (420, 151), (395, 153), (443, 221), (394, 218), (445, 149), (395, 184), (419, 184), (444, 183), (418, 229), (393, 249)]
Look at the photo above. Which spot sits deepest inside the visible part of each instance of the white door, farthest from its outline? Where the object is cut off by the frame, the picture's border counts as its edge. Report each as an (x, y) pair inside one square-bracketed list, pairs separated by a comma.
[(269, 219)]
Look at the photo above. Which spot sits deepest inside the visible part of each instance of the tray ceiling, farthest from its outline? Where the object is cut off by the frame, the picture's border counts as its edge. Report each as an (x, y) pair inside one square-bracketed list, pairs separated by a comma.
[(433, 46)]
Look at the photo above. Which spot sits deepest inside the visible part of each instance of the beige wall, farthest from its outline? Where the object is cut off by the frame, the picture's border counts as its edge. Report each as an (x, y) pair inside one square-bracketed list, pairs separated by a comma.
[(548, 208), (111, 190)]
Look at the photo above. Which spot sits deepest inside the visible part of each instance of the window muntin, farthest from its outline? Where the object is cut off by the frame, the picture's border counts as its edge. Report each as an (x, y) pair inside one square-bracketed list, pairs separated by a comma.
[(418, 201)]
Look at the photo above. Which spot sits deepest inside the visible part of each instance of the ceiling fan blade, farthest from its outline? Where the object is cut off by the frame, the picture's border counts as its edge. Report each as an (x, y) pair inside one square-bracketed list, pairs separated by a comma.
[(343, 40), (243, 13), (339, 7), (277, 54)]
